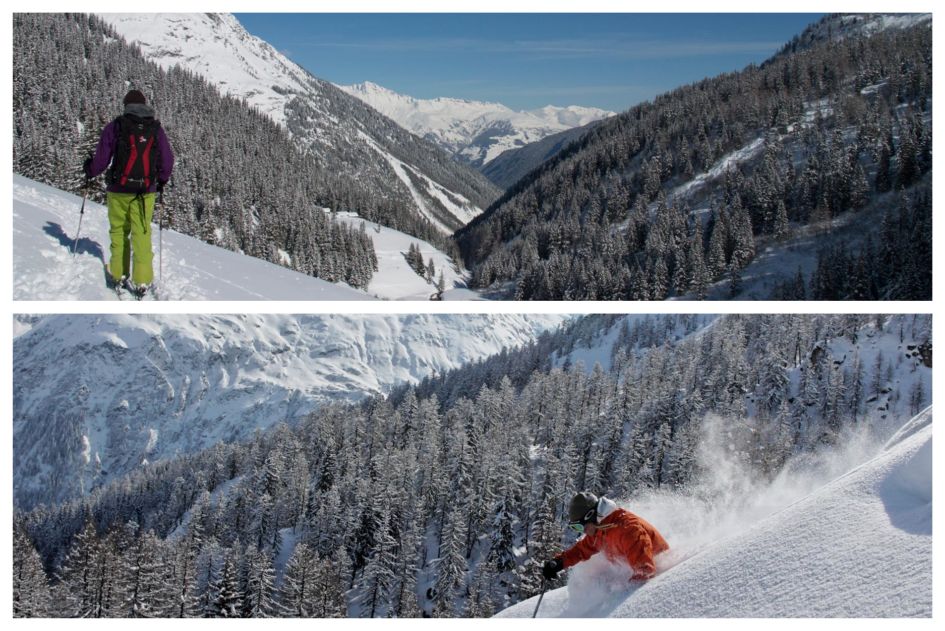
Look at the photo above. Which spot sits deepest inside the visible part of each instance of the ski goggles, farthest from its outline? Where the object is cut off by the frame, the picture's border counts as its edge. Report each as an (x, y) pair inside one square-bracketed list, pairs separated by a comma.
[(578, 526)]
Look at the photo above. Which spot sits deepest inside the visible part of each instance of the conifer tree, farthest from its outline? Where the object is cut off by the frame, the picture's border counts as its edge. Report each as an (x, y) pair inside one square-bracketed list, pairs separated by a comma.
[(31, 593)]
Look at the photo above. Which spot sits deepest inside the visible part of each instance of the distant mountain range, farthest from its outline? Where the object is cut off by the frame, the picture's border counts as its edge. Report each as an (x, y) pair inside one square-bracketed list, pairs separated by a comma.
[(475, 132)]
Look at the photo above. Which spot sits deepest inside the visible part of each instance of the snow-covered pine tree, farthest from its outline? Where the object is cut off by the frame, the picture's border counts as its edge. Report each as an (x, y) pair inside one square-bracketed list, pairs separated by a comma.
[(229, 601), (451, 566), (31, 593), (145, 593), (259, 599), (297, 591), (379, 577)]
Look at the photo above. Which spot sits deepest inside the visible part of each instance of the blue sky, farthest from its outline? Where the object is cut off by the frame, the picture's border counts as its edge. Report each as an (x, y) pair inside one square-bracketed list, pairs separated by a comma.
[(527, 60)]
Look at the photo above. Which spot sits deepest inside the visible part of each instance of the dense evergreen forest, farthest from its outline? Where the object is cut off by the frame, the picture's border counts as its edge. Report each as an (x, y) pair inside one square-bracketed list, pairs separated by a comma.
[(832, 134), (444, 498)]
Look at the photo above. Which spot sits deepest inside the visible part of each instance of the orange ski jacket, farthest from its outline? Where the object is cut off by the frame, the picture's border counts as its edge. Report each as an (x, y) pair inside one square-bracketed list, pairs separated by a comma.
[(622, 536)]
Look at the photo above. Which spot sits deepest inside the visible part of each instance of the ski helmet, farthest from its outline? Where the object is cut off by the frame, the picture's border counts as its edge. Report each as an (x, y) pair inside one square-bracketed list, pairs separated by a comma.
[(583, 508)]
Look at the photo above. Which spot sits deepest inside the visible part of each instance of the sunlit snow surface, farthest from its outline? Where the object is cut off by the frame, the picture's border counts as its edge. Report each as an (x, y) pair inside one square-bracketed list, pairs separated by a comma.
[(45, 221), (240, 64)]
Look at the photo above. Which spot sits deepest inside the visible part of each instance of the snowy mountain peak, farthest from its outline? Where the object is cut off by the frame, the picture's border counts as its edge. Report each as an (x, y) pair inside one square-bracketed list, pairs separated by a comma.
[(216, 45), (570, 116), (475, 132)]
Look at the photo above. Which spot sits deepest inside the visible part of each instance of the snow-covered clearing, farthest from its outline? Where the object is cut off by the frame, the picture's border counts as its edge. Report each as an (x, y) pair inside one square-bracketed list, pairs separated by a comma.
[(717, 170), (394, 278), (601, 349), (845, 534)]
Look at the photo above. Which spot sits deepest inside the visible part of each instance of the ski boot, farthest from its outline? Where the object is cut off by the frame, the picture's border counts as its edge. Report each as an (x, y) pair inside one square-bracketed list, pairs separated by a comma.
[(138, 291)]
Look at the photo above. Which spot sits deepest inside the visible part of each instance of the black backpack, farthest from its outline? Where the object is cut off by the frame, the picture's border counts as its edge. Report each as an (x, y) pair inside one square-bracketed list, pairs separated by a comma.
[(135, 163)]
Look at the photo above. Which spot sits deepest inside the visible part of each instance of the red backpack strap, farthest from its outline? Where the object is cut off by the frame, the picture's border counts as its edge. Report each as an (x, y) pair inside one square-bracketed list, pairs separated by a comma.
[(131, 160), (146, 161)]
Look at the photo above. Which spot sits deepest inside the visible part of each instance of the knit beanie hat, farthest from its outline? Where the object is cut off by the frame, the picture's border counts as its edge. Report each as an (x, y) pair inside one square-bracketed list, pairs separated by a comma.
[(134, 96)]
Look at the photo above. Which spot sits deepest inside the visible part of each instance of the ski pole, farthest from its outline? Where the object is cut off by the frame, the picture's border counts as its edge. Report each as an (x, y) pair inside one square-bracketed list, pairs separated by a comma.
[(161, 240), (544, 585), (75, 244)]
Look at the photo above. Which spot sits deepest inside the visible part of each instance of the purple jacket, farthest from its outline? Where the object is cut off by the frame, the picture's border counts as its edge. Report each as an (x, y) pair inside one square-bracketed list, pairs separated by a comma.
[(109, 140)]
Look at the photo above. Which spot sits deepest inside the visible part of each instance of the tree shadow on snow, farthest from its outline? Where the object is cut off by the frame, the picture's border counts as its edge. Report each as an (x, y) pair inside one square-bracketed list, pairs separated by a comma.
[(83, 246)]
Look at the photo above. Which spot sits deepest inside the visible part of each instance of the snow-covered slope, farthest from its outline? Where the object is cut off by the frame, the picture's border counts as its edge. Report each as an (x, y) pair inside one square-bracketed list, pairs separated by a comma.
[(216, 46), (350, 137), (475, 132), (779, 259), (45, 220), (858, 546), (599, 348), (95, 396)]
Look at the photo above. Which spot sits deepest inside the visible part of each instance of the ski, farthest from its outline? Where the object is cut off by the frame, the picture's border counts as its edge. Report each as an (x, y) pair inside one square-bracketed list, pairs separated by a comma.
[(119, 291), (117, 286)]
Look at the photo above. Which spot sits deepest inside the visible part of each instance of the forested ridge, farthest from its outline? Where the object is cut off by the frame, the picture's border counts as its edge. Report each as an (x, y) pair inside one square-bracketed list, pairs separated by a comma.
[(444, 499), (829, 129)]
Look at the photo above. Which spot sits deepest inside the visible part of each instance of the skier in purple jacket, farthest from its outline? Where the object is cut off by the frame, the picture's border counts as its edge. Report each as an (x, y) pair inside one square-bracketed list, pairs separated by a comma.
[(137, 155)]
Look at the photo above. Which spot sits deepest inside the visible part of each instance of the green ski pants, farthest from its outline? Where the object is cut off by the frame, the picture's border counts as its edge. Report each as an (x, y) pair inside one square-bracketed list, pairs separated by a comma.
[(129, 220)]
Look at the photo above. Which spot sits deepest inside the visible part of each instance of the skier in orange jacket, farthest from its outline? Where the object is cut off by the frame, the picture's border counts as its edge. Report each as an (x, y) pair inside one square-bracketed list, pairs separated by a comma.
[(618, 533)]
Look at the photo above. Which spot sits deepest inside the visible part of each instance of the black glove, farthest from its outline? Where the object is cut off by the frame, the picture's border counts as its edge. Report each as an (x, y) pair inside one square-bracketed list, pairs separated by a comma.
[(87, 169), (551, 568), (160, 185)]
